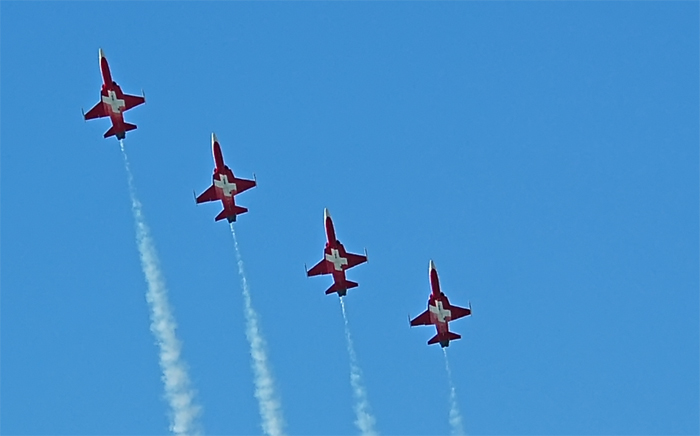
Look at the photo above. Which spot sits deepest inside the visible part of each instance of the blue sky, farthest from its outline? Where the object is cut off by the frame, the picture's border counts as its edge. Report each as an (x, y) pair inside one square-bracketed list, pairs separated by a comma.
[(543, 154)]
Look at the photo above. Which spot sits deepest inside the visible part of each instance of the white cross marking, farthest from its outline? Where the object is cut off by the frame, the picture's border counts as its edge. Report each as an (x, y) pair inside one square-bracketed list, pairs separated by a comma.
[(224, 184), (336, 260), (115, 103), (441, 313)]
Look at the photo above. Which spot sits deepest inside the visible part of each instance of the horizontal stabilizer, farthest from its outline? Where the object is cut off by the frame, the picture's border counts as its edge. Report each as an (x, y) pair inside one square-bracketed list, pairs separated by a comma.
[(121, 134), (223, 215), (450, 336), (110, 132), (230, 214), (340, 288), (239, 210)]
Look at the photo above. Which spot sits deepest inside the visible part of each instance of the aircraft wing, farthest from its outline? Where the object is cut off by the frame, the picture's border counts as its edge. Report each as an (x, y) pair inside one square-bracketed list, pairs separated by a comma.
[(243, 185), (96, 112), (318, 269), (208, 195), (422, 319), (131, 101), (355, 259), (459, 312)]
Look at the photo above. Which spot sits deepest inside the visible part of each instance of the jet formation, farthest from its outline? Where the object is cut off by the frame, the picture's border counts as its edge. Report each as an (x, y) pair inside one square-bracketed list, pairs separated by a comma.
[(225, 186)]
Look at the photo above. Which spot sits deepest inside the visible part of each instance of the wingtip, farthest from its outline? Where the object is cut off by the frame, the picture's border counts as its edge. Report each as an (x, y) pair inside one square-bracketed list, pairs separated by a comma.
[(326, 213), (213, 138)]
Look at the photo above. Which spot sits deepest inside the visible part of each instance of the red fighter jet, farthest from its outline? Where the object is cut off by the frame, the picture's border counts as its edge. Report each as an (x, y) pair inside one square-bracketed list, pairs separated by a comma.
[(113, 103), (225, 186), (336, 260), (440, 312)]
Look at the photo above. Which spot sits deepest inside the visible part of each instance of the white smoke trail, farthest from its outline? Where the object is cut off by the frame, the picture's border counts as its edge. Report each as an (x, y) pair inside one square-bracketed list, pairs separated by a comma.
[(270, 409), (455, 415), (178, 392), (365, 421)]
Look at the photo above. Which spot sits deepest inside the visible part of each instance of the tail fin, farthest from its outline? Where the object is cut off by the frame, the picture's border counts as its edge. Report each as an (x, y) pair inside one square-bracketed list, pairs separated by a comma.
[(112, 132), (239, 210), (450, 336), (341, 287), (230, 214), (222, 215)]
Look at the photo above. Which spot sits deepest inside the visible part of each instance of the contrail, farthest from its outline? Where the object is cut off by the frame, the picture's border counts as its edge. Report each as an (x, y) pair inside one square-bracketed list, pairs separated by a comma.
[(455, 415), (365, 421), (178, 392), (270, 408)]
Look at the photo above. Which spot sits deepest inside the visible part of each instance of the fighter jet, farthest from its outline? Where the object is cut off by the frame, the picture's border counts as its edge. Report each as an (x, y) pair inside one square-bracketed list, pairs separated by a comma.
[(336, 260), (440, 312), (225, 186), (113, 103)]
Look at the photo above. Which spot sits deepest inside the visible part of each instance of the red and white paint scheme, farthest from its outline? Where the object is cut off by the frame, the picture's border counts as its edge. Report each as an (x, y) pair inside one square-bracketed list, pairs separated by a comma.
[(440, 312), (113, 103), (336, 260), (225, 186)]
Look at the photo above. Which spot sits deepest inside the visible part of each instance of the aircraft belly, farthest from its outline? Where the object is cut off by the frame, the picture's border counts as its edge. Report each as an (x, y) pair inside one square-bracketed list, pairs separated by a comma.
[(227, 201), (117, 120), (338, 276)]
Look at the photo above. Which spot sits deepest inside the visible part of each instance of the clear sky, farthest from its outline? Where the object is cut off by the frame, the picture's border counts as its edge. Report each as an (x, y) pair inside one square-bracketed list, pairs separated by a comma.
[(543, 154)]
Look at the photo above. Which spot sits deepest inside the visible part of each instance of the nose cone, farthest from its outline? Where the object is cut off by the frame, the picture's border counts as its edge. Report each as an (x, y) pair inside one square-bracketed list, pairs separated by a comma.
[(431, 268), (216, 150), (328, 223)]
